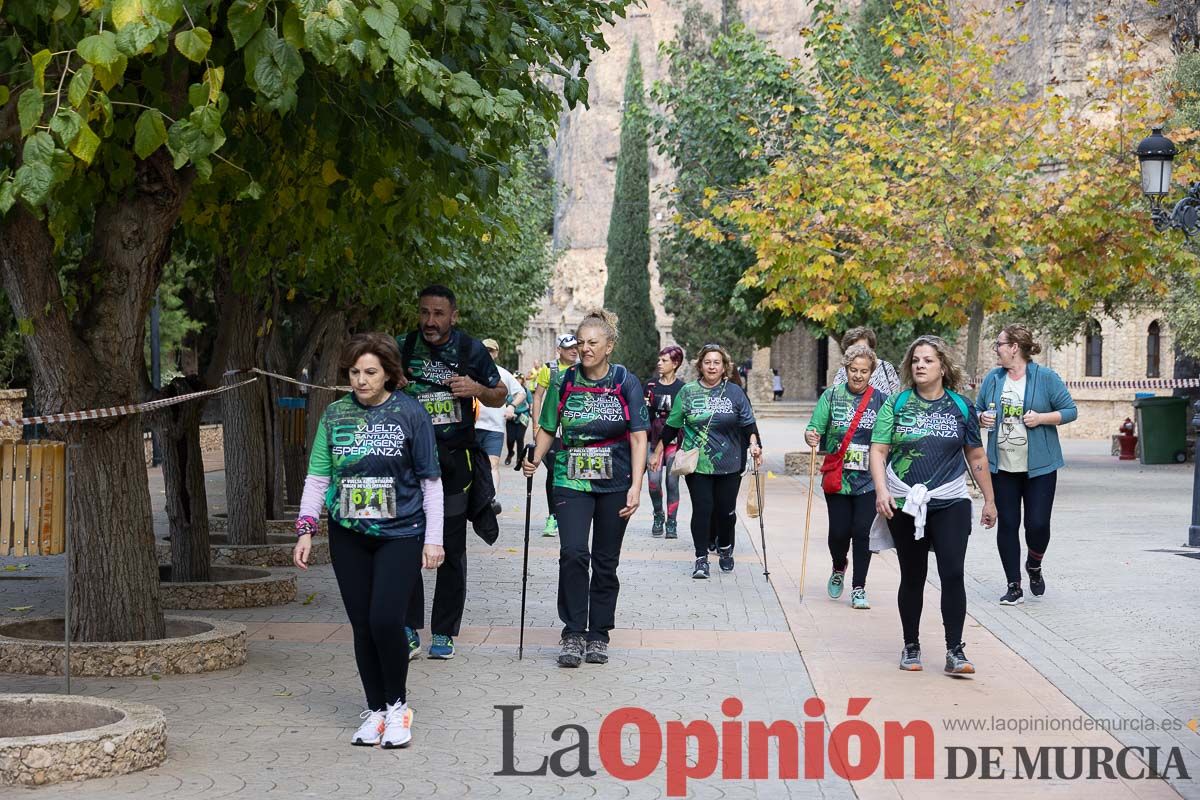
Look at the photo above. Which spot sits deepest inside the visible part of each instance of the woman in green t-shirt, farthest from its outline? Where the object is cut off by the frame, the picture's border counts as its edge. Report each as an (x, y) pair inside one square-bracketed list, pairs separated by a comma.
[(852, 507), (715, 417), (597, 482)]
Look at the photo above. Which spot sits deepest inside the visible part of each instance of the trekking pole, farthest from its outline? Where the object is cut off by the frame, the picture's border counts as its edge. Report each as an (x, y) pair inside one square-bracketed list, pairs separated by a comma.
[(812, 469), (528, 456), (762, 528)]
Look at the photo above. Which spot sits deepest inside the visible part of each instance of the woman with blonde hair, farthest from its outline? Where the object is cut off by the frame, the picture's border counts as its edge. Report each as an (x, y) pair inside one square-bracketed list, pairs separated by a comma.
[(716, 419), (1023, 403), (597, 482), (844, 418), (918, 446)]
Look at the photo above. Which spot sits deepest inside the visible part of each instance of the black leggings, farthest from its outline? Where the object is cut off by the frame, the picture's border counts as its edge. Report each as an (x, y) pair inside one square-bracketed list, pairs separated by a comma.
[(588, 605), (850, 518), (548, 461), (714, 509), (1013, 488), (516, 436), (376, 577), (946, 533)]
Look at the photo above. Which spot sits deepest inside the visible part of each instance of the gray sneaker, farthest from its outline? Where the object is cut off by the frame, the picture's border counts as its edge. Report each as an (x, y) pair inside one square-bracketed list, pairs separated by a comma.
[(957, 662), (597, 653), (910, 659), (700, 571), (725, 558), (672, 529), (571, 654)]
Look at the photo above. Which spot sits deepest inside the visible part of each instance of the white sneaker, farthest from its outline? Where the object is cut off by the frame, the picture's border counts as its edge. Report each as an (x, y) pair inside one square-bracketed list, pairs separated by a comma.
[(397, 731), (369, 733)]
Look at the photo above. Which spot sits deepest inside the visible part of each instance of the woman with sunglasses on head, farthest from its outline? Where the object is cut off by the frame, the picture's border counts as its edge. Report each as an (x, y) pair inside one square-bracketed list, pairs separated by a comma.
[(717, 422), (660, 398), (601, 412), (921, 436), (1023, 403), (374, 468)]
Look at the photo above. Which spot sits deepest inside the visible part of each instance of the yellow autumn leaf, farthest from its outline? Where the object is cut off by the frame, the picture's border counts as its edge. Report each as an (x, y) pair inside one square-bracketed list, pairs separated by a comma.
[(330, 174)]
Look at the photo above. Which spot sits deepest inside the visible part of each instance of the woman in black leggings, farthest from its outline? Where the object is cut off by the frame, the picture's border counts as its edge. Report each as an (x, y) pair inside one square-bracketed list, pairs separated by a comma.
[(597, 483), (374, 468), (717, 420), (851, 505), (1022, 403), (917, 448)]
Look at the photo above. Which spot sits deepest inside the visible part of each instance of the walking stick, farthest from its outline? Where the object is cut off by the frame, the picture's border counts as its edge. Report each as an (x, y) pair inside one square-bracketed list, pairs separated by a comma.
[(812, 468), (762, 529), (528, 456)]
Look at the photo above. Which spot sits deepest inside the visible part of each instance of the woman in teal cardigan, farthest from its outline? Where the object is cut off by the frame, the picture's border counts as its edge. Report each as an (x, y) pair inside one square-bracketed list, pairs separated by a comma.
[(1022, 404)]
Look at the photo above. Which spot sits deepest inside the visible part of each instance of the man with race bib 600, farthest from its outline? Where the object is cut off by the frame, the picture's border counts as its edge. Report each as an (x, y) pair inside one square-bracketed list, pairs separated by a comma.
[(447, 372)]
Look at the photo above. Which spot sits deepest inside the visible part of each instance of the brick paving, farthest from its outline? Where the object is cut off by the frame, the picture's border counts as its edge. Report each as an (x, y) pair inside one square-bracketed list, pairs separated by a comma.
[(1095, 645)]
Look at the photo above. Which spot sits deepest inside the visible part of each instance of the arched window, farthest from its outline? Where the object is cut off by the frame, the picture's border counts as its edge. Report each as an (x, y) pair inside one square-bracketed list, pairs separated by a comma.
[(1094, 347), (1153, 350)]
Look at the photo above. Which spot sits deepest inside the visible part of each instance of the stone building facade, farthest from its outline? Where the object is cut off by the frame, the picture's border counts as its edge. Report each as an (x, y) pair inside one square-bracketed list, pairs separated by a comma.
[(1060, 42)]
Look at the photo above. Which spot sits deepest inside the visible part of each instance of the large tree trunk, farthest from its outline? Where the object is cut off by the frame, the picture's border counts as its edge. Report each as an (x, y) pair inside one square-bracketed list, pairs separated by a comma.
[(183, 477), (325, 372), (275, 361), (244, 431), (974, 332), (93, 359)]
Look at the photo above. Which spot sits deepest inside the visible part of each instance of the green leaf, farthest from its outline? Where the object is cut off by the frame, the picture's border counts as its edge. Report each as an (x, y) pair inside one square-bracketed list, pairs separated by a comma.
[(5, 94), (253, 191), (382, 20), (110, 76), (149, 133), (293, 28), (65, 125), (198, 94), (40, 60), (34, 182), (194, 44), (80, 84), (8, 197), (244, 18), (125, 12), (100, 50), (169, 11), (137, 37), (85, 145), (398, 43), (29, 109)]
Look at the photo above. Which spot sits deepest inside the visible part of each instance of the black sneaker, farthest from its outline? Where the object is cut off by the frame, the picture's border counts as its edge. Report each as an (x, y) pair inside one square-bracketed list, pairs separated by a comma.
[(571, 654), (1037, 584), (910, 659), (597, 653), (1014, 596), (508, 460), (725, 558), (672, 529), (700, 571), (659, 519), (957, 662)]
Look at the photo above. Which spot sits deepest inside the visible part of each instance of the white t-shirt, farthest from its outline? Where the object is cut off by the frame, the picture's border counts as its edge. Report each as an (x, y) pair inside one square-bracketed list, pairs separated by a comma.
[(492, 419), (1012, 437), (777, 383)]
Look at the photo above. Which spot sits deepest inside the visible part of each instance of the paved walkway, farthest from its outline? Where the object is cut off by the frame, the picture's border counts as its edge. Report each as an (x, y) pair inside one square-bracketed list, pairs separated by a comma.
[(1114, 637)]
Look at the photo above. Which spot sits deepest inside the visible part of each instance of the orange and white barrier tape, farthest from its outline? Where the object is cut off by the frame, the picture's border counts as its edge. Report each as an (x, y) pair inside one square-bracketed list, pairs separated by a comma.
[(118, 411)]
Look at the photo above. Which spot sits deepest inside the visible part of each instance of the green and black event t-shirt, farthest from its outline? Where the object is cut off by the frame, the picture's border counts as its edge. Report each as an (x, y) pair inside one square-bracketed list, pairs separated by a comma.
[(660, 397), (376, 458), (722, 444), (595, 454), (832, 417), (927, 439), (429, 370)]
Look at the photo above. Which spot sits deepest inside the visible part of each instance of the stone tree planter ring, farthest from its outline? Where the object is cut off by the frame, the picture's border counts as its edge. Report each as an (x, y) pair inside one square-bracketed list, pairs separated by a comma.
[(49, 738), (35, 647), (230, 587)]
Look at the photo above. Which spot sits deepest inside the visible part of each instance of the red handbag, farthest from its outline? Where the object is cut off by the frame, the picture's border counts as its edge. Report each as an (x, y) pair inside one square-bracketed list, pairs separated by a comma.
[(831, 467)]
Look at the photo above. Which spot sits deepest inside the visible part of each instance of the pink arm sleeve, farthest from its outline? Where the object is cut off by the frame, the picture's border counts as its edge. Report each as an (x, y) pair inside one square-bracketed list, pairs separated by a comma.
[(313, 498), (434, 511)]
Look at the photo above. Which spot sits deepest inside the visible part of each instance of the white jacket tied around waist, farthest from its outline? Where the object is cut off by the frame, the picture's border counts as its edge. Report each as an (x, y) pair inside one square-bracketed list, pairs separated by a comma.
[(916, 505)]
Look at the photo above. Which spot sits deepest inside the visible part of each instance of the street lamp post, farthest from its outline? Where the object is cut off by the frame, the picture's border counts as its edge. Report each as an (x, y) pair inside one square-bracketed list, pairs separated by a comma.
[(1155, 154)]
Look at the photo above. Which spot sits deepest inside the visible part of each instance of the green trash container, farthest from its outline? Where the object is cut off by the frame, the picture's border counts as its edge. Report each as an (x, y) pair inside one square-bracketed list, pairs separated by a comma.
[(1162, 426)]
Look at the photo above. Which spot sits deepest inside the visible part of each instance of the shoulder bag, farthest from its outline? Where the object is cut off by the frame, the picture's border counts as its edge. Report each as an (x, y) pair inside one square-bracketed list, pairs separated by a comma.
[(831, 467), (686, 461)]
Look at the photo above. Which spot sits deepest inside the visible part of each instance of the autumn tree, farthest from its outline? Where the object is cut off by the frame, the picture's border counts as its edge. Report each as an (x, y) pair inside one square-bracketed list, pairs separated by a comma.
[(947, 193), (114, 112)]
